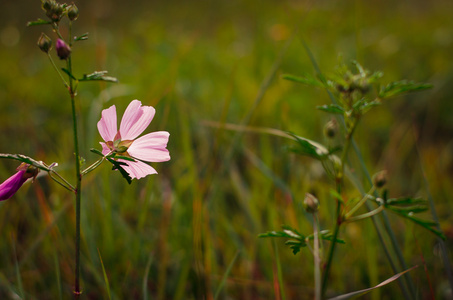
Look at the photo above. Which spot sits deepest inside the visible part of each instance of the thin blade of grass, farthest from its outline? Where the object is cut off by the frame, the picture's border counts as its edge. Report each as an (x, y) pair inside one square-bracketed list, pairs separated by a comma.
[(364, 291), (225, 275), (106, 279), (443, 247), (280, 284), (58, 274), (145, 278), (17, 269)]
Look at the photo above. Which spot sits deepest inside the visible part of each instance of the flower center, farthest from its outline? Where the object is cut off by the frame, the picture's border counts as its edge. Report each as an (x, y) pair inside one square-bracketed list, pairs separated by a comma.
[(119, 146)]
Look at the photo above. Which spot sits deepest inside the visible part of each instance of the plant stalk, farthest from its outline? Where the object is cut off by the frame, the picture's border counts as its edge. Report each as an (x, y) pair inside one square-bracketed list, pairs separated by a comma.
[(339, 218), (78, 189), (317, 258)]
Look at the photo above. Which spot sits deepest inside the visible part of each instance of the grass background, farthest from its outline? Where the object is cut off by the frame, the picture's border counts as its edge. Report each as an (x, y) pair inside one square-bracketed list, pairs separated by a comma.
[(174, 235)]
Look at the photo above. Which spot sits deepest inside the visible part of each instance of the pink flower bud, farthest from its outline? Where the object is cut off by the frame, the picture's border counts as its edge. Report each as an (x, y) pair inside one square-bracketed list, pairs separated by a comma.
[(63, 50), (13, 184)]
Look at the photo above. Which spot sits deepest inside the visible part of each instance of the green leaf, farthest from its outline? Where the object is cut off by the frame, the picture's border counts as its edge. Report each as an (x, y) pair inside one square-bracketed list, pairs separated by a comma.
[(332, 108), (405, 201), (401, 87), (427, 224), (27, 160), (306, 79), (82, 37), (96, 151), (117, 166), (38, 22), (128, 158), (295, 245), (304, 147), (68, 73), (98, 76), (410, 209)]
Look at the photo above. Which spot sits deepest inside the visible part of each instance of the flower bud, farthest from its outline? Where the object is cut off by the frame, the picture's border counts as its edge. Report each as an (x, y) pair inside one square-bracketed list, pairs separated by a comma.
[(331, 129), (63, 50), (44, 43), (380, 179), (54, 10), (47, 4), (73, 12), (311, 203)]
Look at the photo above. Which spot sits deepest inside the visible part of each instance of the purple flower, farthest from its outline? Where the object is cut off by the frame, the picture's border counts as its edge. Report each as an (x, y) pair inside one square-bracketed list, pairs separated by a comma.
[(13, 184), (150, 147)]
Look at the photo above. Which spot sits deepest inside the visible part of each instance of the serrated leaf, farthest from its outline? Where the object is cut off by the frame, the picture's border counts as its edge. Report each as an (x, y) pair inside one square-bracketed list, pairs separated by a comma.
[(68, 73), (332, 108), (38, 22), (98, 76), (427, 224), (306, 79), (400, 87), (295, 245)]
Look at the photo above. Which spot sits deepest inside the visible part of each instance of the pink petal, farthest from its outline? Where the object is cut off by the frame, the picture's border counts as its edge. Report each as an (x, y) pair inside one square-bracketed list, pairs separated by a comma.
[(135, 120), (137, 169), (12, 185), (105, 149), (107, 125), (151, 147)]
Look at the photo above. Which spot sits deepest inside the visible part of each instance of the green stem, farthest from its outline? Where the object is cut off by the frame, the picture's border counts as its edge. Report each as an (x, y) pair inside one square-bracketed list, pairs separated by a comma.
[(360, 203), (58, 71), (339, 218), (78, 189), (61, 181), (317, 258), (365, 215)]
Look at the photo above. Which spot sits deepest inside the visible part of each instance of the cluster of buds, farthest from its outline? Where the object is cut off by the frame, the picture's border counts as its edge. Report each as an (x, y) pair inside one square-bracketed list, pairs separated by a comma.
[(56, 11), (356, 82)]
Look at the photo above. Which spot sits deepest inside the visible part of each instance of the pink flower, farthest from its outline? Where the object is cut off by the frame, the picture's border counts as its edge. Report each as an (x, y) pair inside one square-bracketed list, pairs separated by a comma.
[(13, 184), (150, 147)]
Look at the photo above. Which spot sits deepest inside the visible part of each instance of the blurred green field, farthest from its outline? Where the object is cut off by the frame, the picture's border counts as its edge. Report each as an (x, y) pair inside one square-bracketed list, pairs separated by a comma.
[(174, 235)]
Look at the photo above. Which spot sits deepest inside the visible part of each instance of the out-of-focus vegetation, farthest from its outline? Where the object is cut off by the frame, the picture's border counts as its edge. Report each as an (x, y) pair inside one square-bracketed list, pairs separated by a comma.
[(174, 235)]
